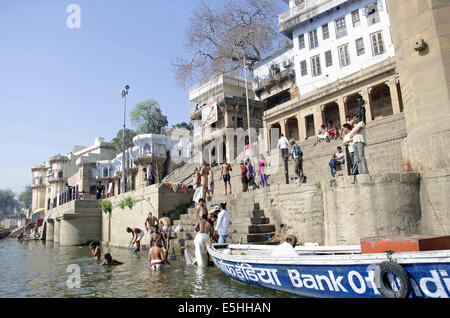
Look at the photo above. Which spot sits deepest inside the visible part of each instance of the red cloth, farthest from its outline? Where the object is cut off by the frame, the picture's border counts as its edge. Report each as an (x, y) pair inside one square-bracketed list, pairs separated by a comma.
[(243, 171), (39, 222)]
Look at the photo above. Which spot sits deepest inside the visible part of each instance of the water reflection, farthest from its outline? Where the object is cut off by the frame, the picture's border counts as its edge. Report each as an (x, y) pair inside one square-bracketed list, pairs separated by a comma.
[(37, 269)]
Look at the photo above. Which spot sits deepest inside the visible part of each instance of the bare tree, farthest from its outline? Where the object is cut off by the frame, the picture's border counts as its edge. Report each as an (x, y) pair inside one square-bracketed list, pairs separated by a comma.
[(218, 38)]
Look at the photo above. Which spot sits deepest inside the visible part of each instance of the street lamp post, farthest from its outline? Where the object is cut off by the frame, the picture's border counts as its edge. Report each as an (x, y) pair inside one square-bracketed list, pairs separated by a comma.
[(124, 96), (246, 96), (246, 60)]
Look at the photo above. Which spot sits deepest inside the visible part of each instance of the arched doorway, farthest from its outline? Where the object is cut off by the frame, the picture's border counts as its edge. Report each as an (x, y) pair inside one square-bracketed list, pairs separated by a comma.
[(352, 105), (381, 102), (331, 112), (292, 128), (275, 134)]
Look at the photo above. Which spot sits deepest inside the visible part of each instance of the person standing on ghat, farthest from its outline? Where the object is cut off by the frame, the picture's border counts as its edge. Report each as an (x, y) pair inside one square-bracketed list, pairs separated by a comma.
[(223, 223), (297, 155), (283, 144), (351, 150), (225, 175), (358, 135)]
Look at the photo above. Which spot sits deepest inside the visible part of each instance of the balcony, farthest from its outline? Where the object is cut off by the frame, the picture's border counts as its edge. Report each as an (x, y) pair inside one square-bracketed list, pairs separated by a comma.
[(278, 80), (302, 12), (57, 180)]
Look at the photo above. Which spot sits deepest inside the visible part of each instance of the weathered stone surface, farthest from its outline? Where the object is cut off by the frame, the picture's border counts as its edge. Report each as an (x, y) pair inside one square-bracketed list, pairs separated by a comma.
[(375, 205)]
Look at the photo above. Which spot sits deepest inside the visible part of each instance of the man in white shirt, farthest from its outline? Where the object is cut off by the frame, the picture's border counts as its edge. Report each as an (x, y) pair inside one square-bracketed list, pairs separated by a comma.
[(284, 145), (337, 159), (351, 150), (358, 135), (223, 222), (287, 248)]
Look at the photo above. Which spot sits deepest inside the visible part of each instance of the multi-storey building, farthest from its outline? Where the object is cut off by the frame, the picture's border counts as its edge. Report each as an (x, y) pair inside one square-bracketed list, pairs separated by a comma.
[(219, 113), (50, 180), (341, 49), (164, 153)]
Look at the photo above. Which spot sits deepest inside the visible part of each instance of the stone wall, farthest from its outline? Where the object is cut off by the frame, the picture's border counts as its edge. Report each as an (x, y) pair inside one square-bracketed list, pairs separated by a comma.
[(338, 211), (157, 199), (435, 202), (74, 223), (370, 205)]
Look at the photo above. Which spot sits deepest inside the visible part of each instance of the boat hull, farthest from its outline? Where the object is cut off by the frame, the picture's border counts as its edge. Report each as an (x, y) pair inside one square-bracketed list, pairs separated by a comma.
[(428, 280)]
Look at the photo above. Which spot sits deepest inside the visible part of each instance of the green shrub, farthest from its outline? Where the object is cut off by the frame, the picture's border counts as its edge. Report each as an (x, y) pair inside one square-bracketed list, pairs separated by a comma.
[(126, 202), (180, 207), (106, 206)]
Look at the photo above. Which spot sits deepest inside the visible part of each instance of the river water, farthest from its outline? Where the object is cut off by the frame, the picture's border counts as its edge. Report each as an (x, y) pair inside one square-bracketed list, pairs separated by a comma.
[(39, 269)]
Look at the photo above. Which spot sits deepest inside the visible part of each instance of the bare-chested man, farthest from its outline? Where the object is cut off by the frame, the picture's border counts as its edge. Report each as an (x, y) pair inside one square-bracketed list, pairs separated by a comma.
[(204, 171), (137, 235), (95, 250), (157, 257), (165, 226), (201, 208), (150, 223), (225, 174), (204, 231), (109, 261), (157, 235)]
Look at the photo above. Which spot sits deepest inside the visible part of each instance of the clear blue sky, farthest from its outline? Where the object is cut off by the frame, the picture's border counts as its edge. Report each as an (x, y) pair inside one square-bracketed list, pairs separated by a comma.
[(60, 87)]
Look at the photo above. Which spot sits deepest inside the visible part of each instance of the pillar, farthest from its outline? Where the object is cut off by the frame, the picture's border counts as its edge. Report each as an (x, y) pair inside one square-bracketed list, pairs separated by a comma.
[(301, 127), (318, 119), (266, 137), (342, 109), (365, 93), (50, 230), (56, 231), (392, 83), (424, 73), (283, 127)]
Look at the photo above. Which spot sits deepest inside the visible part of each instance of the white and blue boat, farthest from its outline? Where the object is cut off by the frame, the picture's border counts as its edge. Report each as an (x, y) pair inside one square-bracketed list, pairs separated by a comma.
[(337, 271)]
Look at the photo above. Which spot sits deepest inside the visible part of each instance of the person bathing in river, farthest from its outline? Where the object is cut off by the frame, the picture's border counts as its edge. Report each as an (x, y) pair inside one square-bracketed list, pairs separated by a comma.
[(157, 235), (95, 250), (157, 256), (109, 261), (137, 235), (150, 223), (165, 225), (204, 231)]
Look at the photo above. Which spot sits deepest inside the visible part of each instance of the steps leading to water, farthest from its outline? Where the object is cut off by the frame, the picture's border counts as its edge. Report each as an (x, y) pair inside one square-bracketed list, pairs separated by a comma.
[(248, 224)]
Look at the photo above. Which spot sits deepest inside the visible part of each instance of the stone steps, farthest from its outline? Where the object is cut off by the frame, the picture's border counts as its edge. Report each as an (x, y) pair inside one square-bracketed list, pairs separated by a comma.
[(248, 221)]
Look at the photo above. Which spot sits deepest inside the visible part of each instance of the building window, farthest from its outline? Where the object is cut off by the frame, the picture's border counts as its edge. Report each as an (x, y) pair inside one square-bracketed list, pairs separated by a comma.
[(355, 18), (303, 69), (372, 14), (313, 40), (344, 57), (328, 59), (341, 29), (360, 47), (325, 32), (240, 122), (315, 66), (301, 41), (377, 43), (60, 174), (40, 181)]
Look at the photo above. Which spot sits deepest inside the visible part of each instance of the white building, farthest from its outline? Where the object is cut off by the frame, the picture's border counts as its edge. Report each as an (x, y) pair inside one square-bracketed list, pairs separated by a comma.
[(332, 39), (164, 153)]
